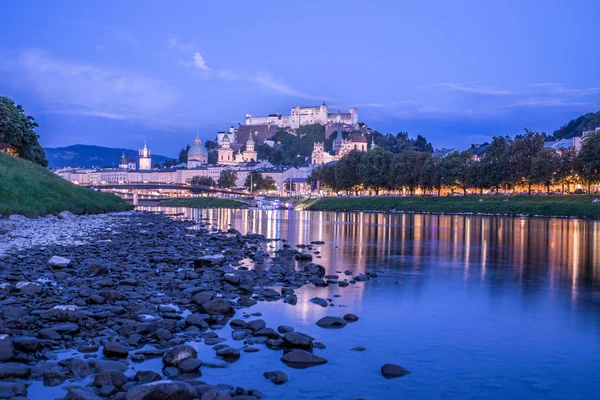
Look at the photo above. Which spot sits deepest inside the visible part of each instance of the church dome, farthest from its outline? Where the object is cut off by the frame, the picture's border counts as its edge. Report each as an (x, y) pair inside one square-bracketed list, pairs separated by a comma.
[(250, 141), (197, 150), (225, 139)]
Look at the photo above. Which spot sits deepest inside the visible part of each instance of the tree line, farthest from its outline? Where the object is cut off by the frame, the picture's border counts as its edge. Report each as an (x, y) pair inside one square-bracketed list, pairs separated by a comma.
[(17, 130), (255, 181), (505, 165)]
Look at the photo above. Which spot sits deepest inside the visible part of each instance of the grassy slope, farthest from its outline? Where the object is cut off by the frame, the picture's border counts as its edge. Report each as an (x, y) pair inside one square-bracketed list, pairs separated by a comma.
[(31, 190), (577, 206), (204, 202)]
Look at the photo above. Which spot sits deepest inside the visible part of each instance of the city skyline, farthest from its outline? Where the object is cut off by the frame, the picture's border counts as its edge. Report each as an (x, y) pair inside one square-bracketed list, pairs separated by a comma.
[(115, 74)]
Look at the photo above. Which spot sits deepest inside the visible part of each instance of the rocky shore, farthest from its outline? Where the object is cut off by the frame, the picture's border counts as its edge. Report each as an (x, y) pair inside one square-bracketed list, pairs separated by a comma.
[(118, 289)]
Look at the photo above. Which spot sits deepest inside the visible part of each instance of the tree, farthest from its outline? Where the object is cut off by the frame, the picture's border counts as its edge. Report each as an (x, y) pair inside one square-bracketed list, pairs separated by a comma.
[(268, 184), (431, 174), (588, 159), (254, 181), (202, 181), (227, 179), (156, 165), (347, 170), (520, 155), (375, 169), (456, 170), (18, 130), (407, 169), (183, 154), (493, 170), (567, 165), (211, 145), (544, 167)]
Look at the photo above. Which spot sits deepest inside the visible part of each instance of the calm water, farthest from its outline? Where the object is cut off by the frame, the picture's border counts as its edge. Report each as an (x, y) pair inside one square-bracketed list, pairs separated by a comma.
[(475, 307)]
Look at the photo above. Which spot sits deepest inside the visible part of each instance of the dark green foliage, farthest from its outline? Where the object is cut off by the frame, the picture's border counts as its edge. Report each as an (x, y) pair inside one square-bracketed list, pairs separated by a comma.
[(577, 126), (227, 179), (28, 189), (544, 167), (183, 154), (255, 182), (18, 130), (202, 181), (588, 159)]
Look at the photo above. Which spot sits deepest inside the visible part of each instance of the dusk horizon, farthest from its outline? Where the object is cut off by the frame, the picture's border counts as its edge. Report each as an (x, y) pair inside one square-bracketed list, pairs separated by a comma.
[(456, 74)]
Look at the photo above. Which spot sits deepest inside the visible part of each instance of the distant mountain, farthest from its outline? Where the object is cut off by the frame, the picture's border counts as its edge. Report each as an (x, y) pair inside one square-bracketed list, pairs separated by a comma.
[(85, 156), (577, 126)]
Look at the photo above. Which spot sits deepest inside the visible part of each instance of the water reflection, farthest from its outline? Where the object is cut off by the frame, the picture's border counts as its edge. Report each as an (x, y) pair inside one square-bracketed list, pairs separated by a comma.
[(560, 250)]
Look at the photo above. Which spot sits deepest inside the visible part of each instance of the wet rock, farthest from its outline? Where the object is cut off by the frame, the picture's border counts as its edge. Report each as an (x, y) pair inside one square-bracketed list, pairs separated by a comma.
[(147, 376), (268, 332), (64, 328), (115, 350), (79, 368), (198, 320), (81, 394), (302, 359), (11, 389), (331, 322), (10, 370), (218, 307), (393, 371), (208, 261), (105, 365), (357, 348), (26, 344), (256, 325), (179, 354), (162, 390), (284, 329), (319, 301), (303, 257), (190, 365), (350, 318), (13, 312), (228, 354), (53, 378), (163, 334), (292, 340), (58, 262), (277, 377), (347, 272), (6, 349), (109, 382), (68, 215), (215, 395), (28, 288)]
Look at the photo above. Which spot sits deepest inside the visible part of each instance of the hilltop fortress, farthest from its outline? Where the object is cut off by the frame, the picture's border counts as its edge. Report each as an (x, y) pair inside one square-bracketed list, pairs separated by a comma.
[(300, 116)]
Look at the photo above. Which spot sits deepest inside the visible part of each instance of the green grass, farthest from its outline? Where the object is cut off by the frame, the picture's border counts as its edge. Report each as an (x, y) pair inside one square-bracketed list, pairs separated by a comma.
[(574, 206), (204, 202), (28, 189)]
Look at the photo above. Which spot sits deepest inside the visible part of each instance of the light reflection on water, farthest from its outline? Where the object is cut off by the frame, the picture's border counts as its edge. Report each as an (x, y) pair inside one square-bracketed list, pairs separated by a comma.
[(476, 307)]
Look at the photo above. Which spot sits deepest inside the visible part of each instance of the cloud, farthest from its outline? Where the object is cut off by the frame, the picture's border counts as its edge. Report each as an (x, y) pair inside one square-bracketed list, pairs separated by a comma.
[(281, 88), (549, 102), (557, 88), (199, 62), (175, 43), (83, 89), (474, 89)]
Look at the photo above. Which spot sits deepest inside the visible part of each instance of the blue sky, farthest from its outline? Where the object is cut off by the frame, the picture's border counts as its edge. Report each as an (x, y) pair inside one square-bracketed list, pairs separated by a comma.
[(114, 73)]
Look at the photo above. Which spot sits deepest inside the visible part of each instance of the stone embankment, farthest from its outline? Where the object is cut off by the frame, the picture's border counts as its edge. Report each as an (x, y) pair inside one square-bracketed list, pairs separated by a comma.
[(118, 289)]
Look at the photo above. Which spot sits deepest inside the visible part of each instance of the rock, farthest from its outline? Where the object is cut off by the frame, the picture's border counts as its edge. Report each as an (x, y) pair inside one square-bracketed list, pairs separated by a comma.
[(179, 354), (147, 376), (218, 307), (115, 350), (228, 353), (69, 327), (350, 318), (302, 359), (319, 301), (215, 395), (277, 377), (10, 389), (198, 320), (58, 262), (6, 349), (190, 365), (347, 272), (26, 344), (17, 218), (203, 297), (53, 378), (10, 370), (79, 368), (256, 325), (232, 279), (208, 261), (66, 215), (357, 348), (292, 340), (393, 371), (160, 390), (105, 365), (163, 334), (51, 334), (81, 394), (284, 329), (109, 382), (13, 312), (331, 322), (29, 288), (303, 257)]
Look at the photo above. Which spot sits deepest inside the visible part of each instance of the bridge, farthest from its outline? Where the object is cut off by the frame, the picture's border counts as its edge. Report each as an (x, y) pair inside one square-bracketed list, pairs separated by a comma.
[(168, 186)]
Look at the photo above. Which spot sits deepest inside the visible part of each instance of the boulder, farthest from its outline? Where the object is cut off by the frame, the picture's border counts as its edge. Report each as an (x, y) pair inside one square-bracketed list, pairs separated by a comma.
[(66, 215), (218, 307), (190, 365), (277, 377), (162, 390), (10, 370), (319, 301), (331, 322), (81, 394), (179, 354), (115, 350), (208, 261), (393, 371), (53, 378), (302, 359), (350, 318), (12, 389), (215, 394), (147, 376), (228, 354), (292, 340), (58, 262)]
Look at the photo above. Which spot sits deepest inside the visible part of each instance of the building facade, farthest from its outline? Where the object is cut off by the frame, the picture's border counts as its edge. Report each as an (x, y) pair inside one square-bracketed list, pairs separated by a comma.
[(145, 158), (300, 116), (341, 147)]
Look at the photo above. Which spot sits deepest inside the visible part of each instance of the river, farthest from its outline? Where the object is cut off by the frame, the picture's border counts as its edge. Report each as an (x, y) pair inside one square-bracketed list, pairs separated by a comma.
[(476, 307)]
